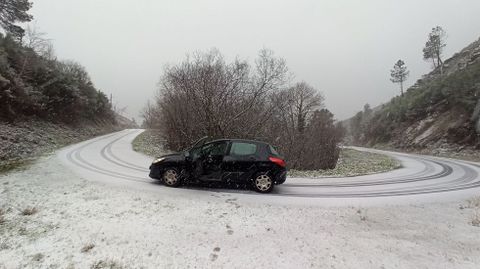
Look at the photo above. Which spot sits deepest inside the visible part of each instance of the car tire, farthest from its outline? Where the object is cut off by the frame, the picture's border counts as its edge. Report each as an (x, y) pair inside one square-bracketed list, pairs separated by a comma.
[(171, 177), (263, 182)]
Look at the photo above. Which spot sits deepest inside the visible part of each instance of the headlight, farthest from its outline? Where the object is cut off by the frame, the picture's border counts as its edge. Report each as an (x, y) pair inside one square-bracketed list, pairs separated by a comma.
[(158, 160)]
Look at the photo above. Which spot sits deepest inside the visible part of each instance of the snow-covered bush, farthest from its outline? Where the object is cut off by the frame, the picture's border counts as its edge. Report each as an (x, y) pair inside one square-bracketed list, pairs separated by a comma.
[(206, 96)]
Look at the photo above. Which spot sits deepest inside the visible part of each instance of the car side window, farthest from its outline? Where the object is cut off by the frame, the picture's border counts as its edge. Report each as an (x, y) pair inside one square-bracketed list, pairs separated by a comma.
[(243, 148), (218, 148)]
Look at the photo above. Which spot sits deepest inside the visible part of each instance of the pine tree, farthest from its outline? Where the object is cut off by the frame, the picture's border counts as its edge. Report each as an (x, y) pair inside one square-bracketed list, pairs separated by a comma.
[(434, 46), (399, 74), (13, 11)]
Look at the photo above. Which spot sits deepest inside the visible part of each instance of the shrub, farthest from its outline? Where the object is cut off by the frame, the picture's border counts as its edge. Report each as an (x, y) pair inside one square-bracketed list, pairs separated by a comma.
[(2, 216), (87, 247), (28, 211), (33, 85)]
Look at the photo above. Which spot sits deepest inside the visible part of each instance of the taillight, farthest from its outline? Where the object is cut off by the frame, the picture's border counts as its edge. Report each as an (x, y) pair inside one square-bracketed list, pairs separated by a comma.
[(277, 161)]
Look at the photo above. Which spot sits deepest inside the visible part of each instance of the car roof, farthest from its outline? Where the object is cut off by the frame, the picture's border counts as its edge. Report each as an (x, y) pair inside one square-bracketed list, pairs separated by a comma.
[(238, 140)]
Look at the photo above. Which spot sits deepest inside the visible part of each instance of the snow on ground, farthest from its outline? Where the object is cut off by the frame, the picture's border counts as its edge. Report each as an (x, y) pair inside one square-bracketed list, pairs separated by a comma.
[(85, 224)]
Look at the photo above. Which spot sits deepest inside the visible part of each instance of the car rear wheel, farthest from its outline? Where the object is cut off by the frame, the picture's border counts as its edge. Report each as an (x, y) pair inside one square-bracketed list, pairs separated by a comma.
[(263, 183), (171, 177)]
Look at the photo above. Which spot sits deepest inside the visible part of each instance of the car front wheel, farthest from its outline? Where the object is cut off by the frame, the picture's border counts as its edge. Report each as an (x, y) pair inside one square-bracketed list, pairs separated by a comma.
[(171, 177), (263, 183)]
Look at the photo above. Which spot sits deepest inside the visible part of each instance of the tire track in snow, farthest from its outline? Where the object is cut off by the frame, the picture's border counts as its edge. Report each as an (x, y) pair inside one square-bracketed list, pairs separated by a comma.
[(453, 175)]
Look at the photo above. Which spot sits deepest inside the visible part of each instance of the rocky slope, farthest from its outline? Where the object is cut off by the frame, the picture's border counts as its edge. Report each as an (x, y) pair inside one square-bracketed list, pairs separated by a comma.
[(441, 112)]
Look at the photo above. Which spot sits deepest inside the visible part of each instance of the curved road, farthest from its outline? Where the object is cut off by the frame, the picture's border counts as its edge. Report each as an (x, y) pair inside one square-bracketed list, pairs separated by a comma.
[(110, 159)]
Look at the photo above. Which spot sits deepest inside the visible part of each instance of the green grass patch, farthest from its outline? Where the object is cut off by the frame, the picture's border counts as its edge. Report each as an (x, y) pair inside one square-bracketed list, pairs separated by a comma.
[(353, 163), (149, 143)]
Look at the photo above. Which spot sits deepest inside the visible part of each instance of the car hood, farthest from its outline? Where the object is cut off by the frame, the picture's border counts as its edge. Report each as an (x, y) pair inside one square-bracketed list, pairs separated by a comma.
[(173, 156)]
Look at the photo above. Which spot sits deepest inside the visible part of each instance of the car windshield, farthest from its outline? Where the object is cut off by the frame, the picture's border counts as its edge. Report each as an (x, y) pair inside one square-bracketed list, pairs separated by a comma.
[(198, 143), (195, 152), (215, 148)]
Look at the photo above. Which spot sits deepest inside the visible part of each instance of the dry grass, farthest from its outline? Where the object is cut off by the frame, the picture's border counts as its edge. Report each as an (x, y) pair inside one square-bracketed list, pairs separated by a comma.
[(473, 202), (87, 248), (107, 264), (15, 165), (476, 218), (28, 211)]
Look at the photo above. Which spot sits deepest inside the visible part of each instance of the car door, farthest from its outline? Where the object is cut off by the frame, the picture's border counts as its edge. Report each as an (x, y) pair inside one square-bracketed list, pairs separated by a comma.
[(240, 162), (210, 162)]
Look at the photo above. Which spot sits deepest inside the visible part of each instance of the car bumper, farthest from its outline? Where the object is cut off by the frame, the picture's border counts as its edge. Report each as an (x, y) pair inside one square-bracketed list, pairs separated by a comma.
[(155, 172), (281, 177)]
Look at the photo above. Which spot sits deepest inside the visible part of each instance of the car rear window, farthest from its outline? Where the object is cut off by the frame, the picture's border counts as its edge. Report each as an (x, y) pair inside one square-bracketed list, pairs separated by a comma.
[(242, 148), (273, 151)]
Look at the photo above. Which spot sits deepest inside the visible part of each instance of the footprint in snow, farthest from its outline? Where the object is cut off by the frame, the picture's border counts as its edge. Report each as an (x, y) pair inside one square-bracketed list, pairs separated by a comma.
[(214, 256)]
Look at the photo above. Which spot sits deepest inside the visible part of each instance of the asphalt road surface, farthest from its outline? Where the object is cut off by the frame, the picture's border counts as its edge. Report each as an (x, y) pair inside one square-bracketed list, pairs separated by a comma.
[(110, 159)]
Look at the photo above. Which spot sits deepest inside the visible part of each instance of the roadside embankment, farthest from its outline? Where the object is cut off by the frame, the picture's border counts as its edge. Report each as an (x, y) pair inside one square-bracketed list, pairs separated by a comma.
[(24, 141)]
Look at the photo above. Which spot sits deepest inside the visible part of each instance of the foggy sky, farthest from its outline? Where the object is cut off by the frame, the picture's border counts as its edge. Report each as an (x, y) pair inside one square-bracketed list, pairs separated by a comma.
[(343, 48)]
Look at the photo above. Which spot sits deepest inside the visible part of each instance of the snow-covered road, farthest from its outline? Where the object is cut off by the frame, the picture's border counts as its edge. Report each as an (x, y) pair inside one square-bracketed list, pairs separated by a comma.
[(111, 159), (97, 208)]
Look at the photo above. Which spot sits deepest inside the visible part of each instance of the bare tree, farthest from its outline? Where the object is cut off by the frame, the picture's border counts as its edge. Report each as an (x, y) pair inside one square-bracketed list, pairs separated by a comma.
[(399, 74), (322, 136), (434, 46), (38, 42), (206, 96), (293, 109), (305, 99)]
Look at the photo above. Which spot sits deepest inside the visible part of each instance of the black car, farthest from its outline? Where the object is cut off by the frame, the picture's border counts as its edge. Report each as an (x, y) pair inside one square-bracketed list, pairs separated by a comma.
[(226, 160)]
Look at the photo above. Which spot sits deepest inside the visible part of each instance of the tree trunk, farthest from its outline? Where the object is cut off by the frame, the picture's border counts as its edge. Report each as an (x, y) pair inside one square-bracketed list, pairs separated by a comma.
[(401, 88), (440, 63)]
